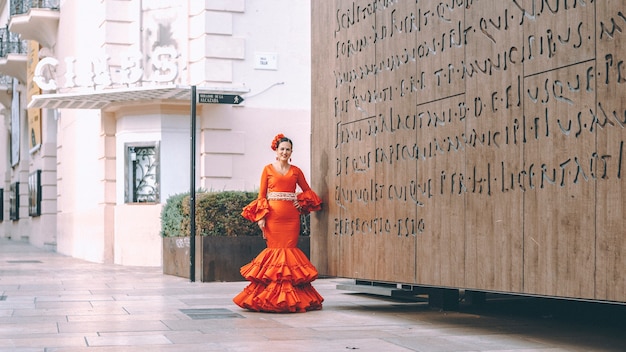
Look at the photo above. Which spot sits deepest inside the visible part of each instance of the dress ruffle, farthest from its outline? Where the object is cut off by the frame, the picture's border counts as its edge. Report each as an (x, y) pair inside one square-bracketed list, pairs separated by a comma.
[(309, 201), (280, 281), (280, 264), (279, 297), (256, 210)]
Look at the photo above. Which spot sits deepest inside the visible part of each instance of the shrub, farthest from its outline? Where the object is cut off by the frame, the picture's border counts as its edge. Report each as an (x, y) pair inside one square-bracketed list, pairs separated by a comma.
[(172, 215), (217, 214)]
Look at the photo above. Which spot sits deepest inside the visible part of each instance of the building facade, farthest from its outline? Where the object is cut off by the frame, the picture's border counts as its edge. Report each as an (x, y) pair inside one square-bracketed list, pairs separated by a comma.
[(96, 97)]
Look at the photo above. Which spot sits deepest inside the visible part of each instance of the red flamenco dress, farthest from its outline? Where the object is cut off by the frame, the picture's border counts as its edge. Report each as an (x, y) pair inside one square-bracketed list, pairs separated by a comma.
[(281, 275)]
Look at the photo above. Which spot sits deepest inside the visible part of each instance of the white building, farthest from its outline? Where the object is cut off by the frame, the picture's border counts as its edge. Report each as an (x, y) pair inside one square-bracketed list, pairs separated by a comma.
[(94, 92)]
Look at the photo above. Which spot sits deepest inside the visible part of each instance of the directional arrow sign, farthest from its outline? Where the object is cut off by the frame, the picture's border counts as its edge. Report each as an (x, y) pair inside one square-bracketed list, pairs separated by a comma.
[(219, 98)]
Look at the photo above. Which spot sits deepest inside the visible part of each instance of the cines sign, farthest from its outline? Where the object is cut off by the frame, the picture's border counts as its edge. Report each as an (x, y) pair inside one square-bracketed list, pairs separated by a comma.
[(96, 72)]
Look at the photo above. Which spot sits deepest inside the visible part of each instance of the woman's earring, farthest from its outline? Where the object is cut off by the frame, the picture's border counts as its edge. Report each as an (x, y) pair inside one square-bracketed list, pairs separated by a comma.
[(276, 158), (289, 159)]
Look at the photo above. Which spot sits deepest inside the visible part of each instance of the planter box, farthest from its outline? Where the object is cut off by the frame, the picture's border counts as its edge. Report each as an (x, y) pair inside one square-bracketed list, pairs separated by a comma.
[(217, 258), (176, 256)]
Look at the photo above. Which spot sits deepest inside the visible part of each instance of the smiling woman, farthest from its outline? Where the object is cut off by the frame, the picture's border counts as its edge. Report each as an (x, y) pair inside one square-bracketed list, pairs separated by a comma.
[(281, 274)]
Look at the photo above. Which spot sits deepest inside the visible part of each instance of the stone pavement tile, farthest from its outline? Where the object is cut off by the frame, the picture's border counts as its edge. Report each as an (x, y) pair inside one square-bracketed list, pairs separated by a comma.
[(398, 330), (123, 340), (321, 318), (73, 296), (455, 343), (107, 326), (315, 345), (187, 337), (13, 303), (66, 305), (113, 318), (60, 311), (576, 341), (18, 320), (27, 328), (327, 334), (221, 326), (150, 304), (30, 289), (204, 347), (154, 296), (37, 340)]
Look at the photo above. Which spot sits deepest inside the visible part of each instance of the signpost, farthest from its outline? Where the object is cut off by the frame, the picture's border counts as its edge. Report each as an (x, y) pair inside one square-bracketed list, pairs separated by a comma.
[(192, 190), (219, 98), (204, 98)]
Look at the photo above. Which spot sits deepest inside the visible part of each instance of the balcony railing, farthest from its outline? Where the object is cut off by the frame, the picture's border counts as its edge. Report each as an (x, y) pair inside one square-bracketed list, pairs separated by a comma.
[(10, 43), (19, 7), (6, 81)]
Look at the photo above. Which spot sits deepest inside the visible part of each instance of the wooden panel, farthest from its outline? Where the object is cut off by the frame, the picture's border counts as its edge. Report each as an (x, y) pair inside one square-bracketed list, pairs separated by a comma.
[(356, 223), (494, 89), (395, 126), (475, 145), (441, 178), (610, 161), (324, 245), (559, 198), (441, 161)]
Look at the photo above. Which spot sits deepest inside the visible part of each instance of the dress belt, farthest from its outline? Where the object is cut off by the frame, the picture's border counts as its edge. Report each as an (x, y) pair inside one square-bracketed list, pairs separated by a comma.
[(281, 196)]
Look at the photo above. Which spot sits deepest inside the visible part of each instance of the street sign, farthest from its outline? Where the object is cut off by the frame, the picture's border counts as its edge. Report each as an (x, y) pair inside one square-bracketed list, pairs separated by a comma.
[(206, 98)]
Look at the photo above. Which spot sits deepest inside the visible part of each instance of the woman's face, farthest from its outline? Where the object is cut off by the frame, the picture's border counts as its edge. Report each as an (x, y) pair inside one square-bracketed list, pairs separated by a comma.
[(283, 152)]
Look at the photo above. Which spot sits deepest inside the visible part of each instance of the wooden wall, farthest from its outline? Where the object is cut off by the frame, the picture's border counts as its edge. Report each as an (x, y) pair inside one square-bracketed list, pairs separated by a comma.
[(472, 144)]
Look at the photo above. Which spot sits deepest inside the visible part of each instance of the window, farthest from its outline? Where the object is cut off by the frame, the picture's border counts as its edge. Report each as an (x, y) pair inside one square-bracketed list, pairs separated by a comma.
[(14, 201), (1, 204), (34, 193), (142, 173)]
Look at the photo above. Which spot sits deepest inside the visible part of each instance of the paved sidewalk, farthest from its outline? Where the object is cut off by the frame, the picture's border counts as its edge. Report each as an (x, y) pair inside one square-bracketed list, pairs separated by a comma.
[(50, 302)]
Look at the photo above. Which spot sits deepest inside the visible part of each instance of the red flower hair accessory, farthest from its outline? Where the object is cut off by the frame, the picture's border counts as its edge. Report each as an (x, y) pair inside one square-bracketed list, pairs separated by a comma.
[(276, 139)]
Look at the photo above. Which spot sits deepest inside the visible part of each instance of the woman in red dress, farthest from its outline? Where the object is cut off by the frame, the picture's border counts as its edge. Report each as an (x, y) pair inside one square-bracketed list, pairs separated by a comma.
[(281, 275)]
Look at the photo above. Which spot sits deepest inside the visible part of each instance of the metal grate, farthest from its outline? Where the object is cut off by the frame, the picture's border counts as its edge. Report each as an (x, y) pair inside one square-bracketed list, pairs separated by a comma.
[(23, 261), (210, 313)]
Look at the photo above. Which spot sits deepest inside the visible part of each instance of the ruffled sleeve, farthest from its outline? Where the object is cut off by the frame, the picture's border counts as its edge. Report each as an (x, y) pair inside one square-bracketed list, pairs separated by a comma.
[(309, 201), (256, 210)]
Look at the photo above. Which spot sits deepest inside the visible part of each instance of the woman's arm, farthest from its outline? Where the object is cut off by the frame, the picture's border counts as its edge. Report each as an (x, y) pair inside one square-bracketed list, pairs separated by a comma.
[(263, 194), (301, 181), (263, 184)]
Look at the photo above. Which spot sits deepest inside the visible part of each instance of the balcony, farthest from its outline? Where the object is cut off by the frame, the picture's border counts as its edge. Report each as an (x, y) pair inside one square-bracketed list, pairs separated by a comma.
[(13, 55), (35, 20)]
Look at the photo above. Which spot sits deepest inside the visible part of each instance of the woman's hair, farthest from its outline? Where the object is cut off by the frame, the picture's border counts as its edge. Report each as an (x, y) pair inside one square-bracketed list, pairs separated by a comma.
[(278, 139)]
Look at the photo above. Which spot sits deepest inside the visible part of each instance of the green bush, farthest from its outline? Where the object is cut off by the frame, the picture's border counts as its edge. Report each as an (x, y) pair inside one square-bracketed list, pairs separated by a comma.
[(217, 214), (172, 215)]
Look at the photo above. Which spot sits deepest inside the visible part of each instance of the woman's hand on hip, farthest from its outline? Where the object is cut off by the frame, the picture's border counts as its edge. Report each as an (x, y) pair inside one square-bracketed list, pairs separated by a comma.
[(261, 224)]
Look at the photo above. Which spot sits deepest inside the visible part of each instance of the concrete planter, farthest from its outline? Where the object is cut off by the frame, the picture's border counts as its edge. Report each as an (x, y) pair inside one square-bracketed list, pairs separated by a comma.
[(176, 256), (217, 258)]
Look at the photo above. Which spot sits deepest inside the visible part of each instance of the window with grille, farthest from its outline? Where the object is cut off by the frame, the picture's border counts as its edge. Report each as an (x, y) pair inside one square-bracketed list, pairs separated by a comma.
[(142, 170), (34, 193), (14, 201), (1, 204)]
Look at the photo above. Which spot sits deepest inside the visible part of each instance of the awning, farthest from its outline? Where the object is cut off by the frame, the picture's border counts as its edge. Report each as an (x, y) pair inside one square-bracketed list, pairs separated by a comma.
[(102, 99)]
